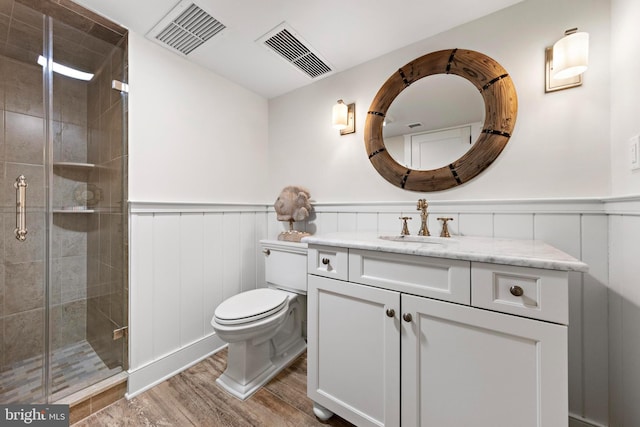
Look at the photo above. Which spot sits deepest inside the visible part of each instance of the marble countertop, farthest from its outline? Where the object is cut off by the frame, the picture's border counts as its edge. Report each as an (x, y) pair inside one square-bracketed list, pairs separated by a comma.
[(524, 253)]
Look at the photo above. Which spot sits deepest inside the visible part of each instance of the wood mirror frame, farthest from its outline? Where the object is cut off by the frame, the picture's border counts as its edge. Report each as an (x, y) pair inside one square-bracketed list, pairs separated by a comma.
[(501, 107)]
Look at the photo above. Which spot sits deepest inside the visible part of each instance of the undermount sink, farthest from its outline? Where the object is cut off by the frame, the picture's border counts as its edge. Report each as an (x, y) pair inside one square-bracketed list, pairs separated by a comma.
[(419, 239)]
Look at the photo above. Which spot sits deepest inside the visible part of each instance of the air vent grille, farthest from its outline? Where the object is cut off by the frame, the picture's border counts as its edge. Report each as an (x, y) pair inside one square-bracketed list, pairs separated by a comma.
[(189, 29), (294, 51), (414, 125)]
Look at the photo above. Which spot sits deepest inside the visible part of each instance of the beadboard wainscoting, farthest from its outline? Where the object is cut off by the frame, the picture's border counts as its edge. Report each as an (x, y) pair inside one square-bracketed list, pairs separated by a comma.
[(624, 311), (186, 258)]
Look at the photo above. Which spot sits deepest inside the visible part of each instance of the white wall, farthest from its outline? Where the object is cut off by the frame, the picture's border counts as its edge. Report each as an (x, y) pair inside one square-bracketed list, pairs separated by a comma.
[(193, 135), (625, 108), (549, 155)]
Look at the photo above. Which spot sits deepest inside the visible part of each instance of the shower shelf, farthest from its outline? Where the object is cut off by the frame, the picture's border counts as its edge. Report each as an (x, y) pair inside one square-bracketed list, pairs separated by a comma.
[(74, 165), (74, 211)]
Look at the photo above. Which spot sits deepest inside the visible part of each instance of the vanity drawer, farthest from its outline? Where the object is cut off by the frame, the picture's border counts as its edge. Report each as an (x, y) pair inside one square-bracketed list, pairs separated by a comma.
[(529, 292), (438, 278), (328, 261)]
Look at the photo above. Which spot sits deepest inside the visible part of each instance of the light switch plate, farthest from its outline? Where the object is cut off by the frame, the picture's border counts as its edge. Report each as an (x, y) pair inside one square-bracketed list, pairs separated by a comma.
[(634, 153)]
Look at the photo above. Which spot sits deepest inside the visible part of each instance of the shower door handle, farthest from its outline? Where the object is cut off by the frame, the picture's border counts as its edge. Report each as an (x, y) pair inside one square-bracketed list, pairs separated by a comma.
[(21, 208)]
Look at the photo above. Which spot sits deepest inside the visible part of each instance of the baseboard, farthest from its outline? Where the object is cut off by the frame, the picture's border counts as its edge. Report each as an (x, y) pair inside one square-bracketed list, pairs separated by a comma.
[(581, 422), (153, 373)]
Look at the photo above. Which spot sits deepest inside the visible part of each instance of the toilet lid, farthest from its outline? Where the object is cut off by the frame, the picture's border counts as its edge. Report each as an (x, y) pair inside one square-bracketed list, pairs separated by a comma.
[(250, 306)]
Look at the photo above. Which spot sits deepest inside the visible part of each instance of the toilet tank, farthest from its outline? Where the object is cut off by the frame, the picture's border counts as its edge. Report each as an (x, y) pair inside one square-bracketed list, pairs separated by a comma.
[(285, 265)]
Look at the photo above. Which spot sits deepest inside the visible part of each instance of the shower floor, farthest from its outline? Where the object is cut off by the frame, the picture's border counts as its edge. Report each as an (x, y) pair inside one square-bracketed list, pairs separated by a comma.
[(73, 368)]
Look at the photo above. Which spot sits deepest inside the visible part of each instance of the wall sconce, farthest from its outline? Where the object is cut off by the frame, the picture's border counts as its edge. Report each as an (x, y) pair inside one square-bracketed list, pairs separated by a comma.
[(344, 117), (566, 61)]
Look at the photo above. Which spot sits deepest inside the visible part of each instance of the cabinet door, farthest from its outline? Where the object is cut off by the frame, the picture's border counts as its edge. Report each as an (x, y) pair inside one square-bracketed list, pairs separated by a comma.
[(463, 366), (353, 351)]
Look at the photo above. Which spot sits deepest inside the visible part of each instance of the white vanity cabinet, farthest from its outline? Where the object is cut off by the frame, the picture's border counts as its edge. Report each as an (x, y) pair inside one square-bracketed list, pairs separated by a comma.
[(408, 340), (353, 355), (462, 366)]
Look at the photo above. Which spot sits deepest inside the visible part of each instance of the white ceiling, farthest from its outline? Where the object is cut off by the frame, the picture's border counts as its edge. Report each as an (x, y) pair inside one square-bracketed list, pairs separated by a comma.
[(344, 32)]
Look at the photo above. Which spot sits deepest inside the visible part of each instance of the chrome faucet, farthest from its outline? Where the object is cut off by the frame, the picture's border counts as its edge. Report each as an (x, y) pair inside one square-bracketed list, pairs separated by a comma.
[(422, 206)]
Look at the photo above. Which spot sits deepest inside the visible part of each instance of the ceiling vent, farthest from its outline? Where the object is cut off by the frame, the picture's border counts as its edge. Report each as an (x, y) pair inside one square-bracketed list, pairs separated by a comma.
[(287, 43), (414, 125), (185, 28)]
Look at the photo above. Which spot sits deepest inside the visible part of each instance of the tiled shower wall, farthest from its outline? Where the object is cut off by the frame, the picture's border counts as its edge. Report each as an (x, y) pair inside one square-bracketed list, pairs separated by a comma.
[(84, 262), (106, 286), (69, 233), (22, 266), (22, 292)]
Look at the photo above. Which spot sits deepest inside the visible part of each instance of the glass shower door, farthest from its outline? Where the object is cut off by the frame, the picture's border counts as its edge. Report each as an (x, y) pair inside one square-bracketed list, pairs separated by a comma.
[(63, 294), (86, 250), (24, 179)]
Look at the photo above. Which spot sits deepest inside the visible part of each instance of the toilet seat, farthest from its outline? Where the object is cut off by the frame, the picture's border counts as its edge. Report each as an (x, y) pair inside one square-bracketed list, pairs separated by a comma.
[(250, 306)]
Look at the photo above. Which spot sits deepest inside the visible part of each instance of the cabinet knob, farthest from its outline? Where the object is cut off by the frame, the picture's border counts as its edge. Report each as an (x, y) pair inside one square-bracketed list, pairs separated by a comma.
[(325, 261), (407, 317), (516, 291), (391, 312), (267, 252)]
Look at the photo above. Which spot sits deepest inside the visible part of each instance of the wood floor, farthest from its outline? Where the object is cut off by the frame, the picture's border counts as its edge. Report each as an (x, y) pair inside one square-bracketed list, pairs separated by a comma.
[(192, 398)]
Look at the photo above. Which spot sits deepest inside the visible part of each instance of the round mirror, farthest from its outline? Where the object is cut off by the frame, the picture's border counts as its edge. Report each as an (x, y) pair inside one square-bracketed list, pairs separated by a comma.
[(433, 164), (422, 132)]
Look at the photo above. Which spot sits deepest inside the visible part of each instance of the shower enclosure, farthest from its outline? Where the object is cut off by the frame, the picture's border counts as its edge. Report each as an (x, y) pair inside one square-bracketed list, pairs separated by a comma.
[(63, 157)]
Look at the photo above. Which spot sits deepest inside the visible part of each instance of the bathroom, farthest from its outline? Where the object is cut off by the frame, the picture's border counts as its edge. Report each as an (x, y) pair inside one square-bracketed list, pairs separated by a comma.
[(191, 226)]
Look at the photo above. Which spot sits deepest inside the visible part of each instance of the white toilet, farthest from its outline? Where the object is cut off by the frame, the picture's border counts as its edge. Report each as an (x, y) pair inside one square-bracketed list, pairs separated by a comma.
[(265, 327)]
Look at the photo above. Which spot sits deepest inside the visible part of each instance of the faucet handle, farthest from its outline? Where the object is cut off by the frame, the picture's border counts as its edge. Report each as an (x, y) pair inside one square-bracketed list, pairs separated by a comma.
[(445, 227), (405, 228)]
